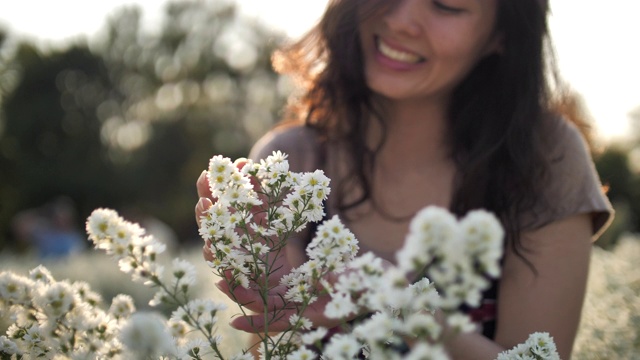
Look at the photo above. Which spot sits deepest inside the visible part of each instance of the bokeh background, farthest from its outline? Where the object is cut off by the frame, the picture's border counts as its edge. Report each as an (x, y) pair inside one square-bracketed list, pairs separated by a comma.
[(120, 104)]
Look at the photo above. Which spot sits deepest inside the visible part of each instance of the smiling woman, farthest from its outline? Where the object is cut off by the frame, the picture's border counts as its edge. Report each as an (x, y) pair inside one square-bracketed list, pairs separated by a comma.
[(574, 37), (423, 66), (414, 103)]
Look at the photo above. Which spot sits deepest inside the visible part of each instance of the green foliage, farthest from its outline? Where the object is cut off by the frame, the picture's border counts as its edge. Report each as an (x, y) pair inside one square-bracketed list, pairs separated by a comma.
[(131, 121), (623, 189)]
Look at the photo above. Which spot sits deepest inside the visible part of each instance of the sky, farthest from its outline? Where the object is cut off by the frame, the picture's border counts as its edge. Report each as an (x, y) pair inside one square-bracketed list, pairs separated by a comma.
[(595, 41)]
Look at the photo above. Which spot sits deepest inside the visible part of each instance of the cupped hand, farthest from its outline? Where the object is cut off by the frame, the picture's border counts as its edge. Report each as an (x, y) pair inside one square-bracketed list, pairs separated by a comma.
[(206, 200), (278, 311)]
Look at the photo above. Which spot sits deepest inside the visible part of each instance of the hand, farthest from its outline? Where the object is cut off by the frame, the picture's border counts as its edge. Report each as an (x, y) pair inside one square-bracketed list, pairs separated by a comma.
[(279, 312), (206, 200)]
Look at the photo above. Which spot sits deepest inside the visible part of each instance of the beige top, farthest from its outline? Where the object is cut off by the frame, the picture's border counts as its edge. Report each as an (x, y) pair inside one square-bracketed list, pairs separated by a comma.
[(573, 183)]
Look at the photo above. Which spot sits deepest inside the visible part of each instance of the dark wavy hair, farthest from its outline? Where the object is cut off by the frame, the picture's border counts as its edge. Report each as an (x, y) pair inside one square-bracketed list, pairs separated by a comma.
[(496, 114)]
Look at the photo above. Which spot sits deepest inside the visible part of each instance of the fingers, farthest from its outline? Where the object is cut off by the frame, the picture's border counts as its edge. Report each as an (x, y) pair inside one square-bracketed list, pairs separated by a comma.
[(256, 323), (251, 299), (201, 207), (202, 185), (279, 321), (279, 311), (206, 251)]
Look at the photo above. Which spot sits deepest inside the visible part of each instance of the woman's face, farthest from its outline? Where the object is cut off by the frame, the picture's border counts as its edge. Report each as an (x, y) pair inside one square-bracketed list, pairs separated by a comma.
[(421, 49)]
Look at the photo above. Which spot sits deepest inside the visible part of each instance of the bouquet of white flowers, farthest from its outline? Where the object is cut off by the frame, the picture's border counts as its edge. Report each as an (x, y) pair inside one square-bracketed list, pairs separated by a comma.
[(444, 264)]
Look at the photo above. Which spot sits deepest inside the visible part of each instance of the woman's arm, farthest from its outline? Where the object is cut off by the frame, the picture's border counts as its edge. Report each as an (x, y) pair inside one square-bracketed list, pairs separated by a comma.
[(549, 301)]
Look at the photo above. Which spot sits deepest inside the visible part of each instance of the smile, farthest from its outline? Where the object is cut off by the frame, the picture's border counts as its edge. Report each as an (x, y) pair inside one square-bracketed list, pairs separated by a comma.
[(398, 55)]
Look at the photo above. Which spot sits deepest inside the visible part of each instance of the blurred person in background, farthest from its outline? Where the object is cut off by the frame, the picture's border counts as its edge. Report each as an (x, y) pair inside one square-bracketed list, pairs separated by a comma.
[(51, 230)]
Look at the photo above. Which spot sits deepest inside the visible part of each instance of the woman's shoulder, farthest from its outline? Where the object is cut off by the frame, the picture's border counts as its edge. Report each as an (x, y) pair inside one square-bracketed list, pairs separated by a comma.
[(563, 139), (571, 184), (300, 142)]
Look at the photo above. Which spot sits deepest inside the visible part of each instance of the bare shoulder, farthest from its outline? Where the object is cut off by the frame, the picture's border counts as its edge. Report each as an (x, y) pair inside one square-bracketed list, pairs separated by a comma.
[(298, 141)]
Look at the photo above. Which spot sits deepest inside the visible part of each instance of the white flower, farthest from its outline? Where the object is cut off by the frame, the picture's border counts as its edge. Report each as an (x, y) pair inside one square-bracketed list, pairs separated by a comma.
[(340, 306), (302, 354), (178, 328), (146, 335), (460, 323), (542, 345), (242, 356), (87, 296), (15, 289), (369, 263), (33, 336), (184, 272), (313, 336), (122, 306), (421, 325), (333, 242), (350, 282), (219, 174), (7, 346), (41, 274), (300, 322), (379, 327), (195, 348), (99, 223), (480, 226), (422, 351), (428, 231), (277, 157), (342, 346), (55, 299)]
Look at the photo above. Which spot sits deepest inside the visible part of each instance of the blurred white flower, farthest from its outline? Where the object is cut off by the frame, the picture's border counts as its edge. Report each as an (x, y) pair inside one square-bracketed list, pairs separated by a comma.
[(122, 306), (342, 346), (340, 307), (313, 336), (7, 346), (55, 299), (146, 335), (302, 354)]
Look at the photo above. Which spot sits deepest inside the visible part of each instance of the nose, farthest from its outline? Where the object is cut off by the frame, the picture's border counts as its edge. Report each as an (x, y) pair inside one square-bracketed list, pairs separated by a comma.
[(402, 17)]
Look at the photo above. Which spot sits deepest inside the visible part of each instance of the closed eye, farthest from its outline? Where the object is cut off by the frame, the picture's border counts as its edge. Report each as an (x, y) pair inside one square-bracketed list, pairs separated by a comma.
[(446, 8)]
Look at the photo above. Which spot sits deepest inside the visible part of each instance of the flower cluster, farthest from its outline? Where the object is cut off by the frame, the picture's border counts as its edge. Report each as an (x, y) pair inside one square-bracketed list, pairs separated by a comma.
[(610, 323), (59, 319), (538, 346), (56, 318), (457, 255), (445, 263), (258, 206), (137, 255)]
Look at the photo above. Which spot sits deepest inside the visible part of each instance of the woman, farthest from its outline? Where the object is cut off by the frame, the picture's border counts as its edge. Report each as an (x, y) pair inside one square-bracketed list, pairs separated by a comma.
[(446, 102)]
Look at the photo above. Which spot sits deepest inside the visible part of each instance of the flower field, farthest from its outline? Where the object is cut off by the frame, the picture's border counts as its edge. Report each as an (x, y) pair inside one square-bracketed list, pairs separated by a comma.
[(610, 323)]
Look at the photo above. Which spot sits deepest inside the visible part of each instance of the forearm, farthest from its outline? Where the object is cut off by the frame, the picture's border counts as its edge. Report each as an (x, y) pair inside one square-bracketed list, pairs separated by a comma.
[(472, 346)]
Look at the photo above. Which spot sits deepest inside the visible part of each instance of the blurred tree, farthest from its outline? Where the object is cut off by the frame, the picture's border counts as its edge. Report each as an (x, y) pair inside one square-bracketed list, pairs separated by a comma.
[(201, 85), (622, 185), (619, 169), (132, 120), (51, 142)]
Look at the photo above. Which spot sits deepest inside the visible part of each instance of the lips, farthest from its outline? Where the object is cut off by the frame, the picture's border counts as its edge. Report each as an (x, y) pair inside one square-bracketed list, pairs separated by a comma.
[(396, 54)]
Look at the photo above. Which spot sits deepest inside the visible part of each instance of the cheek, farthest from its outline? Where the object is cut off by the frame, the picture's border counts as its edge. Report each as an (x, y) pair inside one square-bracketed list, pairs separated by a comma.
[(462, 50)]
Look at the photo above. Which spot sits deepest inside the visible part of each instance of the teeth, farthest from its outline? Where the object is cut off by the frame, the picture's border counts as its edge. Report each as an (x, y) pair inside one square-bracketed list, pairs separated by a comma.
[(397, 55)]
